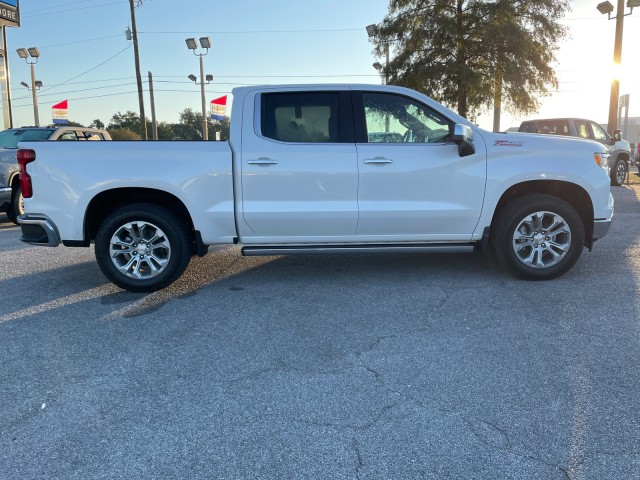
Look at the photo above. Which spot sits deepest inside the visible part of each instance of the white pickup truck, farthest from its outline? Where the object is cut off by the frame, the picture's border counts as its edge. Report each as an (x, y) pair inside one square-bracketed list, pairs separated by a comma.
[(320, 169)]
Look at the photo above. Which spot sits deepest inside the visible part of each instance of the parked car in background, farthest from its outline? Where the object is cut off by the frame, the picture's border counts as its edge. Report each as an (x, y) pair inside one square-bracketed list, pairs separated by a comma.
[(10, 193), (619, 149)]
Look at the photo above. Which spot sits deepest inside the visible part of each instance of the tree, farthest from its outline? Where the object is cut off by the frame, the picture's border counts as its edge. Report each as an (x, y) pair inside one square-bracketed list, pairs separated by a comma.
[(458, 51), (72, 124), (97, 124), (129, 120), (190, 126)]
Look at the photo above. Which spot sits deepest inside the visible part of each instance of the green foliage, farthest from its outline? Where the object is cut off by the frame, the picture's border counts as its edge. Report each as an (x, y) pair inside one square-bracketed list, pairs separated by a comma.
[(73, 124), (128, 120), (123, 134), (126, 126), (454, 50), (97, 124)]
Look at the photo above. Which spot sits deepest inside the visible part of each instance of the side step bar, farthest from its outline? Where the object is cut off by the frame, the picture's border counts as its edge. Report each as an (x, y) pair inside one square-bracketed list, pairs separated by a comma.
[(353, 249)]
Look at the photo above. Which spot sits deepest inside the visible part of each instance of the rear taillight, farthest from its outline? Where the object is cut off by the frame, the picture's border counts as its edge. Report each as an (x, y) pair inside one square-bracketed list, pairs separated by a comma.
[(25, 156)]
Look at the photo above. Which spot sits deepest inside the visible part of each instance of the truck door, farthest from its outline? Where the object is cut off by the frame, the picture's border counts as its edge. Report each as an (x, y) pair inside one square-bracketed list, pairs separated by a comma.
[(413, 184), (299, 167)]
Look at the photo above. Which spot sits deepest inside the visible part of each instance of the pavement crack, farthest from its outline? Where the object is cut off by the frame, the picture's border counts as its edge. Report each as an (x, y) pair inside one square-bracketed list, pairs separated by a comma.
[(359, 461)]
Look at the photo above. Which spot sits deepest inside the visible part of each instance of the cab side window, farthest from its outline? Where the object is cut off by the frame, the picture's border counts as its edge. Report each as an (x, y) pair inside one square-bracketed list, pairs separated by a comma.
[(92, 136), (68, 136), (582, 129), (310, 117), (598, 133), (393, 118)]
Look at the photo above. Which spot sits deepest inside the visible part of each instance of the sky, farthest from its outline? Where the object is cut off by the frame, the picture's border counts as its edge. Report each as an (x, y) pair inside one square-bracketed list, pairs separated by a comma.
[(87, 60)]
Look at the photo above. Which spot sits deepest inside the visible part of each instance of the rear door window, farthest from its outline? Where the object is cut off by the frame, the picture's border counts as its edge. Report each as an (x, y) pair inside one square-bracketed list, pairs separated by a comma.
[(68, 136), (582, 128), (309, 117)]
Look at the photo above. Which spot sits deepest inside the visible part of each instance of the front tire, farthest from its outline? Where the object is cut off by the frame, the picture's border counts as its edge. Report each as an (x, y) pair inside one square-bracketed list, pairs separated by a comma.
[(619, 173), (143, 247), (538, 237)]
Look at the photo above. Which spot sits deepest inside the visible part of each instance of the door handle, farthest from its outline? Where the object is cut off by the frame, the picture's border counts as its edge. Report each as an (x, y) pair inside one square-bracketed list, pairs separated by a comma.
[(377, 161), (263, 161)]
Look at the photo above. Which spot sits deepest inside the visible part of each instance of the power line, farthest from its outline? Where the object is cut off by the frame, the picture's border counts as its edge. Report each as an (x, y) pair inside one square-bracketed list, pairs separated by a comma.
[(80, 41), (90, 70), (73, 9), (328, 30)]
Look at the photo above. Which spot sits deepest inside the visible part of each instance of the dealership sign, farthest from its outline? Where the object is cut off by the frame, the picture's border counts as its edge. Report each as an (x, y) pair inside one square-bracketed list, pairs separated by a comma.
[(218, 108), (60, 112), (10, 13)]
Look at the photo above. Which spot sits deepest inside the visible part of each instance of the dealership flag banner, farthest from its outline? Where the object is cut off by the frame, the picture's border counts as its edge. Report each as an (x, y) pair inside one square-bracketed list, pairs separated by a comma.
[(218, 108), (60, 112)]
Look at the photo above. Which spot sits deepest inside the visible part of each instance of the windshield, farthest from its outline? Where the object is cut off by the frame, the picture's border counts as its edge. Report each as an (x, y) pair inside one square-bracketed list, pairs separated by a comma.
[(10, 138)]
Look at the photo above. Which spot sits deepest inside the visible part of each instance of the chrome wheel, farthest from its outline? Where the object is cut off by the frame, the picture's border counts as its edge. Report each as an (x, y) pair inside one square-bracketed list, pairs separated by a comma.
[(140, 250), (541, 239), (620, 173)]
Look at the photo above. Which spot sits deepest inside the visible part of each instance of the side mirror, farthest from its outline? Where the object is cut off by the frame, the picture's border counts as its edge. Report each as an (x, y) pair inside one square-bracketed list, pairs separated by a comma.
[(617, 135), (463, 136)]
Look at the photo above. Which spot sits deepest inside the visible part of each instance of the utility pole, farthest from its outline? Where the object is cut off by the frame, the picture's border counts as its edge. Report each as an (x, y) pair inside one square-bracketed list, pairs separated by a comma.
[(617, 58), (4, 79), (134, 33), (154, 122)]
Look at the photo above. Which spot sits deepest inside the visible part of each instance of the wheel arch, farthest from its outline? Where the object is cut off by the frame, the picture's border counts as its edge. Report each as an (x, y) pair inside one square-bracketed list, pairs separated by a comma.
[(108, 201), (14, 180), (573, 194)]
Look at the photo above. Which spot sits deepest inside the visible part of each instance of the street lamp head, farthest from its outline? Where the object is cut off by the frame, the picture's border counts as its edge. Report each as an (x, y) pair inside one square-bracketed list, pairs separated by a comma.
[(205, 42), (633, 4), (377, 66), (209, 78), (38, 83), (22, 53), (192, 77), (605, 8), (34, 52), (24, 84), (372, 30), (192, 43)]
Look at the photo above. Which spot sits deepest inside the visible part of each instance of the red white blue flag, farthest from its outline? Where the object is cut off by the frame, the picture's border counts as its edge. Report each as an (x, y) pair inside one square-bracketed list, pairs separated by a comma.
[(218, 108), (60, 112)]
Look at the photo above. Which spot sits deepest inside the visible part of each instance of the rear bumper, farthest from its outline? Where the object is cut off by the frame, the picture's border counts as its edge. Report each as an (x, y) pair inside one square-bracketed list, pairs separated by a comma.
[(38, 230)]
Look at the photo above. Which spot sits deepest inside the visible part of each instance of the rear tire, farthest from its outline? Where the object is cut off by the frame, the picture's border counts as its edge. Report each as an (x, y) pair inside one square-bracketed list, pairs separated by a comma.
[(17, 205), (537, 237), (143, 247)]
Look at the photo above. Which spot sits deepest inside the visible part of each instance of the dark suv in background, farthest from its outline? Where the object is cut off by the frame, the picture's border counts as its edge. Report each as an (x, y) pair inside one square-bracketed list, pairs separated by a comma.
[(619, 149), (10, 193)]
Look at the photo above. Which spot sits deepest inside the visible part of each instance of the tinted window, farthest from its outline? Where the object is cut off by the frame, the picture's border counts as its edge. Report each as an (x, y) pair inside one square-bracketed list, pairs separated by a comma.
[(301, 117), (10, 138), (396, 119)]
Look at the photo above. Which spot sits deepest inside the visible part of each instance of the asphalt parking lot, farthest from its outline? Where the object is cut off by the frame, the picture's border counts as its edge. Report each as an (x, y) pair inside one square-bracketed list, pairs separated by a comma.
[(353, 367)]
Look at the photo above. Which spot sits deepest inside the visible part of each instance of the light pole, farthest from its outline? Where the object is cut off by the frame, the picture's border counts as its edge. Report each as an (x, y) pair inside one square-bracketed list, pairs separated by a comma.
[(26, 54), (372, 31), (192, 44), (606, 8)]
